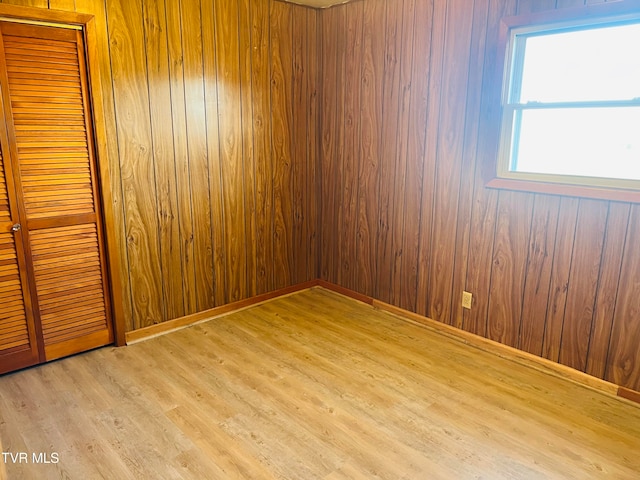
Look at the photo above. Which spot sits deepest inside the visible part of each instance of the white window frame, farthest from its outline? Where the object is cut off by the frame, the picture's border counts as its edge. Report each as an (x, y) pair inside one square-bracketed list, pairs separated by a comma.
[(513, 29)]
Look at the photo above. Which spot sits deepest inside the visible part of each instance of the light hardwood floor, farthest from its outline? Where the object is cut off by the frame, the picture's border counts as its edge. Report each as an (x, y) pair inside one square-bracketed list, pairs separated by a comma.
[(313, 385)]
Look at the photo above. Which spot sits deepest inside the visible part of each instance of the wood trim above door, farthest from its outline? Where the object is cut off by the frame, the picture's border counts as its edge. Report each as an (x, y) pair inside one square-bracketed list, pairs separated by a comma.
[(32, 14), (87, 23)]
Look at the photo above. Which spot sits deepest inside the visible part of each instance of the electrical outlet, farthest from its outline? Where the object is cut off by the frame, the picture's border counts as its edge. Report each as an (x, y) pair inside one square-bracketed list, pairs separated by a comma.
[(467, 298)]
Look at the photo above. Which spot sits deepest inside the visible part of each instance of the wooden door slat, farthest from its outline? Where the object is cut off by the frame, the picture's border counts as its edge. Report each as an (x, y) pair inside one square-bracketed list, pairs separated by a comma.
[(49, 85), (82, 322), (57, 63), (72, 296), (52, 133), (51, 317), (71, 246), (46, 298), (75, 329), (68, 232), (50, 280), (17, 54), (38, 112), (35, 160)]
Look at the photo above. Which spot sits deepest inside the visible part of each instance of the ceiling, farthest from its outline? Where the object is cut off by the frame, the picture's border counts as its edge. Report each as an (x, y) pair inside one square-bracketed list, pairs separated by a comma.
[(318, 3)]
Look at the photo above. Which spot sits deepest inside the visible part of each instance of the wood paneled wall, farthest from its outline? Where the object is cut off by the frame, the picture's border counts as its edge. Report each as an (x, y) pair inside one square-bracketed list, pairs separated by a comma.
[(203, 99), (212, 109), (407, 219)]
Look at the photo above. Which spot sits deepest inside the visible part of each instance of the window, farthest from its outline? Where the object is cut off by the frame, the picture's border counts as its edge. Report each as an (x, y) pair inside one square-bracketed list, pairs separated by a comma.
[(571, 101)]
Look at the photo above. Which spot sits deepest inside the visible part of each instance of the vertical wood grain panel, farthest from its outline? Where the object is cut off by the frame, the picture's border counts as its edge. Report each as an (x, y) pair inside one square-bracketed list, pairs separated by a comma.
[(246, 91), (218, 252), (539, 261), (338, 144), (559, 284), (585, 270), (623, 364), (508, 268), (312, 63), (67, 5), (429, 165), (608, 286), (261, 85), (305, 122), (389, 133), (416, 142), (349, 154), (192, 57), (300, 126), (181, 155), (370, 144), (164, 160), (331, 77), (135, 149), (405, 67), (281, 140), (230, 127)]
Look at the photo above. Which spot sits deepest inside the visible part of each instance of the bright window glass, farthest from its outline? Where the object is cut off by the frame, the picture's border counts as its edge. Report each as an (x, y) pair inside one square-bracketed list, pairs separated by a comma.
[(573, 109), (590, 142), (601, 63)]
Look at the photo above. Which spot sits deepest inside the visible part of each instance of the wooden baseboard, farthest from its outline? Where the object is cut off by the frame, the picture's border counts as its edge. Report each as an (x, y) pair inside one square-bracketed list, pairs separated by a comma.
[(629, 394), (188, 320), (491, 346), (345, 291)]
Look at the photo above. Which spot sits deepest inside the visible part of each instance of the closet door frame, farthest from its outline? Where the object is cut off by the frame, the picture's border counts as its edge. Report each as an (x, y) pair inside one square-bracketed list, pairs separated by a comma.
[(87, 24)]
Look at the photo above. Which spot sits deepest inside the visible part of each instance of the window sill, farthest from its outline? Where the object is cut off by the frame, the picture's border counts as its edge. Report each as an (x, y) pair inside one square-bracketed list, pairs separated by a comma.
[(566, 190)]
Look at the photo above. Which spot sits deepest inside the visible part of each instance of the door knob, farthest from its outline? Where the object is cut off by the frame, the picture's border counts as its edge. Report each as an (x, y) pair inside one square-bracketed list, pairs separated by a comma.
[(16, 227)]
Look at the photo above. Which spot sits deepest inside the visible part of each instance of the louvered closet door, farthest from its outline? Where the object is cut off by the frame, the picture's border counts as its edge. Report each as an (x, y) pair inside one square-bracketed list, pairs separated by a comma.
[(18, 345), (50, 132)]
